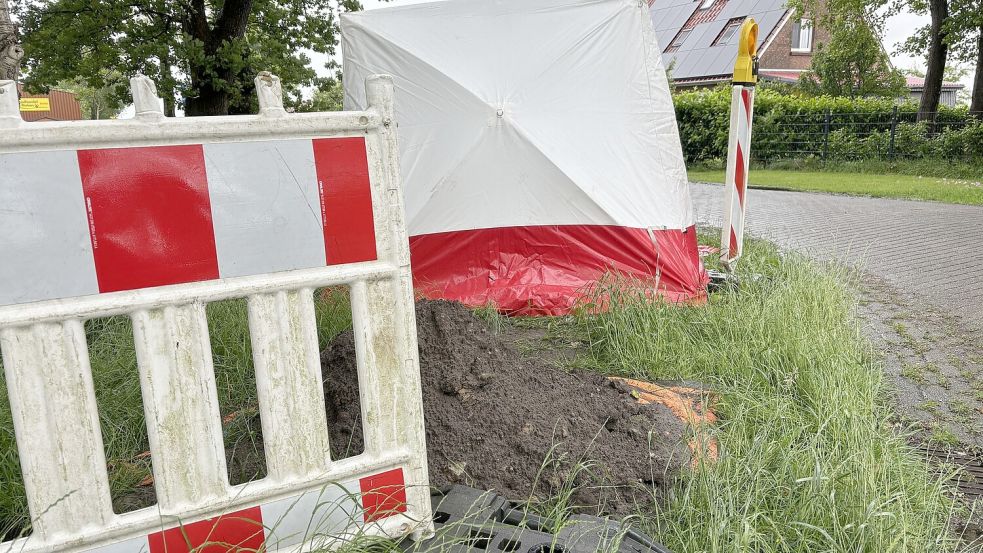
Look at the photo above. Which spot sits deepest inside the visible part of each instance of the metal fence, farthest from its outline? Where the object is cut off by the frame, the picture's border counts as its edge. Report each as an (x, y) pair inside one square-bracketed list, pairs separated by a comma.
[(888, 136)]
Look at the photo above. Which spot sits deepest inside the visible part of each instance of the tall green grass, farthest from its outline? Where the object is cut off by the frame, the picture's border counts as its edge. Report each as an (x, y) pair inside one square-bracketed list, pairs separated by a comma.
[(809, 460), (114, 370), (941, 169)]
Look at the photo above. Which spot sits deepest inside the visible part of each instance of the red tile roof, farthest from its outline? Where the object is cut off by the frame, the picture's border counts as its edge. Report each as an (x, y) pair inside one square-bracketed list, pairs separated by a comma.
[(918, 82)]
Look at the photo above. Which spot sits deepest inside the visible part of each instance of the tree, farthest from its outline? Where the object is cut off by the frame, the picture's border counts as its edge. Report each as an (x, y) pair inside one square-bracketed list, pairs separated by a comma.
[(99, 103), (329, 96), (10, 52), (852, 63), (935, 38), (954, 72), (976, 97), (960, 31), (938, 51), (205, 51), (966, 31)]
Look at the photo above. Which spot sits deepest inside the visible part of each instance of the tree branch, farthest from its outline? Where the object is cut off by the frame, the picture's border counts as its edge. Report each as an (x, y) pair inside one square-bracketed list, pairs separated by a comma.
[(10, 51)]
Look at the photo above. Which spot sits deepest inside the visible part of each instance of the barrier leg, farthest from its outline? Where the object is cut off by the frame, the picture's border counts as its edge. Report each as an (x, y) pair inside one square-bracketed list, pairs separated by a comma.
[(288, 365), (180, 400), (53, 403)]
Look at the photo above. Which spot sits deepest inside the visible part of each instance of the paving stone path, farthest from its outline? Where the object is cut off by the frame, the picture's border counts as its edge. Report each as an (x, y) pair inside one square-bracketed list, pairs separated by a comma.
[(929, 250), (923, 291)]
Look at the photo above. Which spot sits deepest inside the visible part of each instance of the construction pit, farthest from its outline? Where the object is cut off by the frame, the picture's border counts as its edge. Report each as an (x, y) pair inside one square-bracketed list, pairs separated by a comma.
[(503, 418)]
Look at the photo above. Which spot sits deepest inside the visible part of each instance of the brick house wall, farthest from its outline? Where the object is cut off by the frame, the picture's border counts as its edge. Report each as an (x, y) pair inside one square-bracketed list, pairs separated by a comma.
[(779, 54)]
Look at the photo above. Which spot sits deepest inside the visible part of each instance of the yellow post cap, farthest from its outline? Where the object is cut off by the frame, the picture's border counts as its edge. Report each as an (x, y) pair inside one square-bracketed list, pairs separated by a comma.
[(747, 53)]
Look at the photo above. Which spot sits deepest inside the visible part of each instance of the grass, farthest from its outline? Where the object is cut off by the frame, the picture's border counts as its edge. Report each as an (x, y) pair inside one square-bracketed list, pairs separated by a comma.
[(911, 187), (809, 461), (913, 372), (114, 370)]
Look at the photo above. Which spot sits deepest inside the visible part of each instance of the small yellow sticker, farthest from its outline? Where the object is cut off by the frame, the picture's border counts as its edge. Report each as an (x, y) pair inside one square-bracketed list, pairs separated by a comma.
[(35, 104)]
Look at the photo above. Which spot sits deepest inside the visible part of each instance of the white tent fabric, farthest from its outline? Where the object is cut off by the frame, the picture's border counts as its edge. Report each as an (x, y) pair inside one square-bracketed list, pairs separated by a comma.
[(518, 113)]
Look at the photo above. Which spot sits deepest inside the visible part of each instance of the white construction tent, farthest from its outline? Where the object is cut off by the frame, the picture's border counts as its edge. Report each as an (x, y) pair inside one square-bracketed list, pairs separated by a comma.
[(538, 145)]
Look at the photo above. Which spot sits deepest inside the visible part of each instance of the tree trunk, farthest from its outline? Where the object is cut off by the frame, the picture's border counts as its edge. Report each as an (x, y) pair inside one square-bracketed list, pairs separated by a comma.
[(976, 103), (10, 51), (167, 84), (208, 102), (211, 98), (938, 50)]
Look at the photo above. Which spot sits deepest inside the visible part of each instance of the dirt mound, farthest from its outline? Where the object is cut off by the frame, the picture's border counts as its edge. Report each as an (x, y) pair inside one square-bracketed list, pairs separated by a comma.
[(493, 417)]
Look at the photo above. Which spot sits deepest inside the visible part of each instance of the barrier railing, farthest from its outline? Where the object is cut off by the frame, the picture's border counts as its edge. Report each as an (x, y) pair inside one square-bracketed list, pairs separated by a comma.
[(156, 217)]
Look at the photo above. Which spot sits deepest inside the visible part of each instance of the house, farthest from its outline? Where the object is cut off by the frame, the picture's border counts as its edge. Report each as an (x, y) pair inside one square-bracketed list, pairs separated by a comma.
[(950, 91), (699, 42), (699, 38), (56, 105)]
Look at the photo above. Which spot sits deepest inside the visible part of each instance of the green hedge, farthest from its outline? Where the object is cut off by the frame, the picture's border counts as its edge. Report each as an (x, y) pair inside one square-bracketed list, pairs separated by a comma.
[(795, 127)]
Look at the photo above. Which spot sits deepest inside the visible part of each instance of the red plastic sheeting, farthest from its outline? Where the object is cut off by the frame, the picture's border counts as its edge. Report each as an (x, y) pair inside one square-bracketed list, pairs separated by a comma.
[(547, 270)]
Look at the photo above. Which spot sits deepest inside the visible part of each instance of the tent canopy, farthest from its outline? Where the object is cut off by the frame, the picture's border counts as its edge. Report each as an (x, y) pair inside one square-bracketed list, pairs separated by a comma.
[(519, 122)]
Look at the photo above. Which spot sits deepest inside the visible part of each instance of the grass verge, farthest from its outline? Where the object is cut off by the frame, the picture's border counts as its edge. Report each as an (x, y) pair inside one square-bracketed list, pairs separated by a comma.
[(911, 187), (809, 461)]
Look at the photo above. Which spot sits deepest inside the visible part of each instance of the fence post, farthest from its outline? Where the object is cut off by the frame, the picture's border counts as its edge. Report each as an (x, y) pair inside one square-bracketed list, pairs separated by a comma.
[(827, 120), (894, 131)]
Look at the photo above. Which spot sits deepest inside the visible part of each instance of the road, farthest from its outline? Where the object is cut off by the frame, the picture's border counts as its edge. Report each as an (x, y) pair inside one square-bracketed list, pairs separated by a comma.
[(925, 249)]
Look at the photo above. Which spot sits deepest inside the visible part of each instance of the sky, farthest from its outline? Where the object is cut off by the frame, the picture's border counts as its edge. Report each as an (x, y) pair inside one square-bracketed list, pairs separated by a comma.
[(898, 28)]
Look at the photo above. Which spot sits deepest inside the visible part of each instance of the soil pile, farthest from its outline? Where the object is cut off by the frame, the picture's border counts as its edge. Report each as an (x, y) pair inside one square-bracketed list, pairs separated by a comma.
[(494, 417)]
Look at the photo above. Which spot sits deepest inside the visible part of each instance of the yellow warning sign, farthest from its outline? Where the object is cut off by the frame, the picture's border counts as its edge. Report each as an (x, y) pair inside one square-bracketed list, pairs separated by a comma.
[(35, 104)]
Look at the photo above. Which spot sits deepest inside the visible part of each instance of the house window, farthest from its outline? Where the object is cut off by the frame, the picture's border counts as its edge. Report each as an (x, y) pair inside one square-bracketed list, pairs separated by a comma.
[(706, 4), (802, 36), (728, 32), (678, 41)]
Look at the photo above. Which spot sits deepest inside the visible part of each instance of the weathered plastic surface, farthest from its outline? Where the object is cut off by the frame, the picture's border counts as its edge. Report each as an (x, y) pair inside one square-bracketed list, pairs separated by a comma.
[(153, 218)]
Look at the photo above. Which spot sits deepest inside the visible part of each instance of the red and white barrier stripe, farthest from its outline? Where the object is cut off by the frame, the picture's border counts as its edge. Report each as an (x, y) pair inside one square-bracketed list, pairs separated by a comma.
[(738, 157), (138, 218), (94, 221), (280, 524)]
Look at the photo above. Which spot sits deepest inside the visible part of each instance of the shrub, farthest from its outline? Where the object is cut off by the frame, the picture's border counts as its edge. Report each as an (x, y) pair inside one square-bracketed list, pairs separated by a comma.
[(795, 127)]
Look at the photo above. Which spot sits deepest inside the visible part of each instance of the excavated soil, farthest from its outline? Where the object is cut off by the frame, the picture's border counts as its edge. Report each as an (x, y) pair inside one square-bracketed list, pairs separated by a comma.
[(502, 421)]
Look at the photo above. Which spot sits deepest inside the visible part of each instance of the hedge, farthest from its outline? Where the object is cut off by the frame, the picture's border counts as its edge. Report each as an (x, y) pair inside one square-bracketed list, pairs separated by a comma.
[(836, 129)]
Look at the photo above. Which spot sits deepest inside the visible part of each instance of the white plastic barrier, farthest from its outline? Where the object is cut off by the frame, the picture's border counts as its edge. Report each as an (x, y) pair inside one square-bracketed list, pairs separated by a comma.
[(154, 218)]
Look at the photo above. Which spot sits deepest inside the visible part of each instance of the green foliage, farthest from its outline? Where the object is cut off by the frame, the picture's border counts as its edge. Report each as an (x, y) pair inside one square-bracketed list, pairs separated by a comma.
[(808, 458), (793, 126), (210, 49), (100, 103), (329, 96), (878, 180), (852, 63), (962, 30)]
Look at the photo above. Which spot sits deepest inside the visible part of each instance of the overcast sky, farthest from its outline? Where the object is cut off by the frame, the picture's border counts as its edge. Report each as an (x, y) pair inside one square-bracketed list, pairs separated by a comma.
[(898, 28)]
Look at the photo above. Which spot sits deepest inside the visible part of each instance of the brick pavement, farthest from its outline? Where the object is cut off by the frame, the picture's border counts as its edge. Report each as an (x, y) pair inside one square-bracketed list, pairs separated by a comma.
[(925, 249)]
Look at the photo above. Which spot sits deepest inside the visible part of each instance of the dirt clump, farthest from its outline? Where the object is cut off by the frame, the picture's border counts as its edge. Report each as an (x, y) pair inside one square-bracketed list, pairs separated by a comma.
[(495, 417)]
